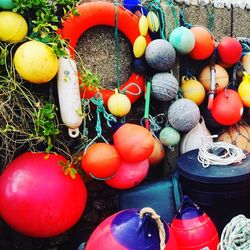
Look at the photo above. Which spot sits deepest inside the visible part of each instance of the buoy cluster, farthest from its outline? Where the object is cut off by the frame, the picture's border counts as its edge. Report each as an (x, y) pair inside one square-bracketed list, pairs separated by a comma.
[(37, 190)]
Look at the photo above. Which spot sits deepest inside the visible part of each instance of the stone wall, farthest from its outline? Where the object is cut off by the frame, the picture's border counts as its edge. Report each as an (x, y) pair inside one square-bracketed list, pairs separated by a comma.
[(227, 22)]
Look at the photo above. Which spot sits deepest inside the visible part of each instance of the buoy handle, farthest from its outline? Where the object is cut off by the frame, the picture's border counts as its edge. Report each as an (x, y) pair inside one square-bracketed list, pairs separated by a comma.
[(210, 103), (157, 218)]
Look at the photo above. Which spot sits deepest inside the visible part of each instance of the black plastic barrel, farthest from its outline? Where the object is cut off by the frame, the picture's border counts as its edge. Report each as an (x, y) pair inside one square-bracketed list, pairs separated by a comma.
[(222, 191)]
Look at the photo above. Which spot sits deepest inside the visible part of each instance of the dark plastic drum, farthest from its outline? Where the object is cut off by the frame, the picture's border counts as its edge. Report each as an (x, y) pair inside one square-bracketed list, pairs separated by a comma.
[(222, 191)]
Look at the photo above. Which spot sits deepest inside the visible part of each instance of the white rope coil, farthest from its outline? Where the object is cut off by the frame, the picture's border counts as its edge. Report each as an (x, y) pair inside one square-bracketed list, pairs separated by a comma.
[(210, 153), (236, 234)]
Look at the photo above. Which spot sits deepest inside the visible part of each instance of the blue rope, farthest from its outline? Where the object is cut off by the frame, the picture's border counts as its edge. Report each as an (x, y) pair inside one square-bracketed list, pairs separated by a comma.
[(183, 20), (98, 101)]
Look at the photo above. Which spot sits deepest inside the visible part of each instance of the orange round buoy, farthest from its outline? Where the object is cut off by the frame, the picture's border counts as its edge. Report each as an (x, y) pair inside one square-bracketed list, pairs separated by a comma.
[(204, 43), (129, 175), (227, 107), (229, 50), (221, 78), (238, 135), (134, 143), (101, 160), (158, 153), (245, 60)]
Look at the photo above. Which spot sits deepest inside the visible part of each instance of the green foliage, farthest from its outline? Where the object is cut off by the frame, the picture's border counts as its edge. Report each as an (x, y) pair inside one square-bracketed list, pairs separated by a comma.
[(89, 79), (45, 123), (3, 54), (68, 169), (44, 17)]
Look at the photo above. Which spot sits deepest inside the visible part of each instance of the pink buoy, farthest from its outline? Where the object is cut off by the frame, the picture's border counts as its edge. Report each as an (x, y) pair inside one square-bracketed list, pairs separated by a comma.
[(129, 174), (37, 198)]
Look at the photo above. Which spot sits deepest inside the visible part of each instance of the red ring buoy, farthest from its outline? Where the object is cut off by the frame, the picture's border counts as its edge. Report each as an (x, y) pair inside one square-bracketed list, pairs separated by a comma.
[(103, 13)]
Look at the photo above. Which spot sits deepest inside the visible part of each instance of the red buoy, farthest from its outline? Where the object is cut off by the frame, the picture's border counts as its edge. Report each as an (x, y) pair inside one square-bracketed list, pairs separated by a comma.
[(227, 107), (193, 229), (129, 175), (134, 143), (204, 43), (101, 160), (37, 198), (229, 50)]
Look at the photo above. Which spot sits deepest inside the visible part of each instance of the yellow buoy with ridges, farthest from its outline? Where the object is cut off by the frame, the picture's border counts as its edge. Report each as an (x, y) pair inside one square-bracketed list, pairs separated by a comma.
[(153, 21), (143, 25), (139, 46)]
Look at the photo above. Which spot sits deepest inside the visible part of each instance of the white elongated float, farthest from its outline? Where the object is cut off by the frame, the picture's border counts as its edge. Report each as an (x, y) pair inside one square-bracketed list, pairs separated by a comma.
[(69, 95)]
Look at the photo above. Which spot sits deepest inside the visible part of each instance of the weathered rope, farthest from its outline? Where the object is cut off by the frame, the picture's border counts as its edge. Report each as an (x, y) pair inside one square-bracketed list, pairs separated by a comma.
[(236, 234)]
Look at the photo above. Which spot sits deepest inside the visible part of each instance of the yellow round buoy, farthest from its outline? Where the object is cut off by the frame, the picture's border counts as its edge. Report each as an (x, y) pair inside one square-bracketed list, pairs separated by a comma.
[(139, 46), (153, 21), (143, 25), (193, 90), (36, 62), (13, 27), (244, 90), (119, 104), (221, 78), (246, 62)]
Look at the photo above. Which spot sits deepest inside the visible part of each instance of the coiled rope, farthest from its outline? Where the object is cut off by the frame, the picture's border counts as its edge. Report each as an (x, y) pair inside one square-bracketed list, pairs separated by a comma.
[(219, 153), (236, 234)]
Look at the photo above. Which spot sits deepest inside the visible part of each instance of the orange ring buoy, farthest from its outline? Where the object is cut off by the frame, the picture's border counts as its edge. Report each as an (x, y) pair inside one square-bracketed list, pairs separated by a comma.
[(103, 13)]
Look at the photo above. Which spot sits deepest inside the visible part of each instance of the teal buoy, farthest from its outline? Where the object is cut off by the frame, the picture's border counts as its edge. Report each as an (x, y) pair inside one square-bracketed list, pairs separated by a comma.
[(169, 136), (6, 4), (182, 39)]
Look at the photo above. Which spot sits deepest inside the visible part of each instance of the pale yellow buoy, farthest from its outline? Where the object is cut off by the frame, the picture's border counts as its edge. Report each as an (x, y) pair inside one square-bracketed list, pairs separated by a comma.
[(153, 21), (143, 25), (36, 62), (246, 62), (13, 27), (119, 104), (221, 78)]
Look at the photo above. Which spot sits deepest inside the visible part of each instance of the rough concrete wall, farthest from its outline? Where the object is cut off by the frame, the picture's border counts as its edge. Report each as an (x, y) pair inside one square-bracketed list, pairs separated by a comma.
[(227, 22), (241, 23)]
